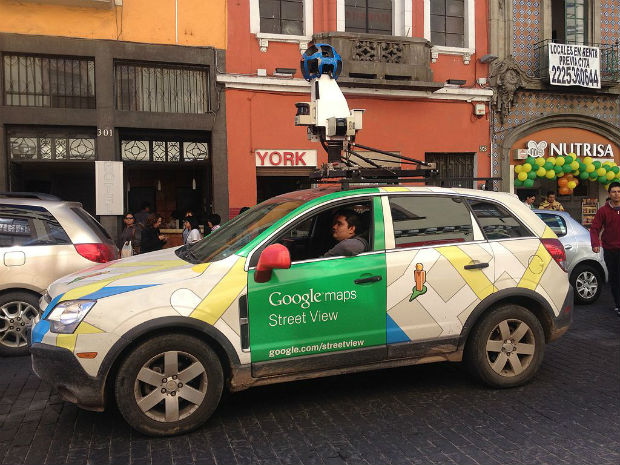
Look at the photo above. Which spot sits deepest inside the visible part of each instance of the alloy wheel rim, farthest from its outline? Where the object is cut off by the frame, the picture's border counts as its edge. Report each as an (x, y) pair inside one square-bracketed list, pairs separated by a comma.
[(586, 284), (170, 386), (15, 318), (510, 347)]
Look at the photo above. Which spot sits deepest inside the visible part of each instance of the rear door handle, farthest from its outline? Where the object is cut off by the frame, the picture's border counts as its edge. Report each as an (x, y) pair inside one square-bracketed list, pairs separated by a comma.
[(372, 279), (476, 266)]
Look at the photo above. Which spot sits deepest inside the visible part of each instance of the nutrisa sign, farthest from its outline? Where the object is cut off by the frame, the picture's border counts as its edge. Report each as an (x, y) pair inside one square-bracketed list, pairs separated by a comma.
[(581, 149), (574, 65), (286, 158)]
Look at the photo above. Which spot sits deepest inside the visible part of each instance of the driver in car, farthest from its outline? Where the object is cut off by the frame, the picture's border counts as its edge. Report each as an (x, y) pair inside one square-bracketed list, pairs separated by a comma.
[(345, 228)]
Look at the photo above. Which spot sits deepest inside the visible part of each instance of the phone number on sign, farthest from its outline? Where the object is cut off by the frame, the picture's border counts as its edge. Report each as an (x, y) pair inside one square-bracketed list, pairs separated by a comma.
[(570, 75)]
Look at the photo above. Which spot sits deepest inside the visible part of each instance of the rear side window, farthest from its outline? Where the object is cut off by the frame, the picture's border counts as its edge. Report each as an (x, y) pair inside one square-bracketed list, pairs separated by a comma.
[(430, 220), (555, 222), (94, 225), (496, 222), (29, 226)]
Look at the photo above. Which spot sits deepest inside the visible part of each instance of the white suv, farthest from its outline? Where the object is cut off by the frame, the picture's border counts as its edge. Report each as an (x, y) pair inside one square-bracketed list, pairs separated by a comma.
[(445, 274), (41, 239)]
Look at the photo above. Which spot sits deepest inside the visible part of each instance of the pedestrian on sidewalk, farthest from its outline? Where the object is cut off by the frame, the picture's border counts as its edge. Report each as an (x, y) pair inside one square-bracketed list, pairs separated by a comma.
[(608, 218)]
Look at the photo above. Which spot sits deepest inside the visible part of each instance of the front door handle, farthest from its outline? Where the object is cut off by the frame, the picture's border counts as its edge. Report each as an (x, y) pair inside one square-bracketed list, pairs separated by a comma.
[(568, 247), (372, 279), (476, 266)]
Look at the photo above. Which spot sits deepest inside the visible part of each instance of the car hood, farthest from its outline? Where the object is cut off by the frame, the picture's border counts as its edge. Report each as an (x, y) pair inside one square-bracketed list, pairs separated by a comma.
[(125, 275)]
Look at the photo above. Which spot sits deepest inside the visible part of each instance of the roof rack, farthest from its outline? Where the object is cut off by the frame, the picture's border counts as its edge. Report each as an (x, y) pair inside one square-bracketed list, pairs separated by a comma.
[(29, 195)]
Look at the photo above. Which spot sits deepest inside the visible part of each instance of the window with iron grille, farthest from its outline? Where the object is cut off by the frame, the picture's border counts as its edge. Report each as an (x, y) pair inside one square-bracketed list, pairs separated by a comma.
[(282, 17), (454, 168), (48, 81), (369, 16), (153, 150), (448, 23), (57, 144), (161, 88)]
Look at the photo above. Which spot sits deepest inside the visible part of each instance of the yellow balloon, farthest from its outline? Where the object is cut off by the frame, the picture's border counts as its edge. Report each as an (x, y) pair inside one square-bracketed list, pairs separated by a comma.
[(550, 174), (541, 172), (590, 167), (571, 184), (540, 161), (600, 172), (519, 168), (572, 154), (610, 175), (574, 165), (522, 176), (560, 174), (560, 161), (587, 160), (552, 160), (527, 168)]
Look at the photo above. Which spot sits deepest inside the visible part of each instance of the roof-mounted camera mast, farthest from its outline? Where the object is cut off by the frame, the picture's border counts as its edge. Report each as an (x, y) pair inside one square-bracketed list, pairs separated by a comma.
[(330, 122)]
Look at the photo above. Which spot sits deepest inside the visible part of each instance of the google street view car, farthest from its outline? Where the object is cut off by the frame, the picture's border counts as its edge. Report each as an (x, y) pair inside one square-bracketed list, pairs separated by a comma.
[(311, 283)]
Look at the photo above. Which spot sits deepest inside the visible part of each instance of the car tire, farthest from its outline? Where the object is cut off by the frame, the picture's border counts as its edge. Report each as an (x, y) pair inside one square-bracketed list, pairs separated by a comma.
[(168, 385), (17, 311), (506, 348), (587, 282)]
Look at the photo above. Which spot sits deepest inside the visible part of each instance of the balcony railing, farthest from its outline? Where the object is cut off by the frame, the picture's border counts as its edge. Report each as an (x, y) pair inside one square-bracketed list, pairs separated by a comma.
[(382, 61), (609, 60)]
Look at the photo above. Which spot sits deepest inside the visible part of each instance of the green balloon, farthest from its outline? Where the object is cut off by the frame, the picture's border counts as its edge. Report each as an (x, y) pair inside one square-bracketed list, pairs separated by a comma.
[(531, 175), (593, 176), (582, 167), (615, 169), (557, 169), (520, 183), (568, 159), (530, 160), (597, 164), (566, 168), (603, 179), (548, 165), (528, 183), (583, 175)]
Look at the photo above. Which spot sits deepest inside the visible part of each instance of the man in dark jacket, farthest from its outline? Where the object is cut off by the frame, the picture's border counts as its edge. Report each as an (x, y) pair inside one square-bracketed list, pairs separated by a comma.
[(345, 228), (608, 218)]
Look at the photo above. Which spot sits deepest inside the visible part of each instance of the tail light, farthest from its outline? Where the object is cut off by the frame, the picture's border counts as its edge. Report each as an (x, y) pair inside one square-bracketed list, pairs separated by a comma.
[(556, 250), (99, 253)]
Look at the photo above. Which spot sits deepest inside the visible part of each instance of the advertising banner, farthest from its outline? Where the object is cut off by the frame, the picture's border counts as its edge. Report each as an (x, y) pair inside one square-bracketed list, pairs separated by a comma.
[(574, 65), (109, 187)]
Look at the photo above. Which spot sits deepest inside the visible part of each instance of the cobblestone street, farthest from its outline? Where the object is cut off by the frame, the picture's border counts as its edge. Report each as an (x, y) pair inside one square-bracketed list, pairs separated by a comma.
[(427, 414)]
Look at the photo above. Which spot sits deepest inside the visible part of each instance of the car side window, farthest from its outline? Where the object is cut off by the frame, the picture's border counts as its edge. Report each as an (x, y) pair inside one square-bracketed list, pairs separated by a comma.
[(430, 220), (496, 221), (29, 226), (555, 222)]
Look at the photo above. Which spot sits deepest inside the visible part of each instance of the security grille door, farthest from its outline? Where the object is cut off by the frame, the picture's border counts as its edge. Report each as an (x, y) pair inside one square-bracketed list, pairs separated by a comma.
[(454, 168)]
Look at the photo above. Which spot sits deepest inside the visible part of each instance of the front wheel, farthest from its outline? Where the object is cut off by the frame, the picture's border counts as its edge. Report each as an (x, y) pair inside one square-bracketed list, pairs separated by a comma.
[(506, 347), (169, 385)]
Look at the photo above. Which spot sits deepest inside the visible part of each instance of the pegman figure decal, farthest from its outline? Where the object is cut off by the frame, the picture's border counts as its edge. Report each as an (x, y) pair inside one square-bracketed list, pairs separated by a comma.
[(419, 276)]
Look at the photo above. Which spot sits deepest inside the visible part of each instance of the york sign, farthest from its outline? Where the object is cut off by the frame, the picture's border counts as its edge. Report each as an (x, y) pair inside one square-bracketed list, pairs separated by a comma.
[(285, 158)]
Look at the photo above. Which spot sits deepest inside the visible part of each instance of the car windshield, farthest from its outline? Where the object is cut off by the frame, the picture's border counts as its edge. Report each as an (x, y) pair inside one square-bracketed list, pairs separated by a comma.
[(236, 233)]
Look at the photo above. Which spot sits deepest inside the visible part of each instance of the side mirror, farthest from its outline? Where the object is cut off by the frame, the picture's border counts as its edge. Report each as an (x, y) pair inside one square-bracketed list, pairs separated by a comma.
[(274, 257)]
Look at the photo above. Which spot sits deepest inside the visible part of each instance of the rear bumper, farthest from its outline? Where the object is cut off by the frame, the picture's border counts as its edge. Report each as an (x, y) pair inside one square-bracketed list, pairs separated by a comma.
[(562, 322), (59, 367)]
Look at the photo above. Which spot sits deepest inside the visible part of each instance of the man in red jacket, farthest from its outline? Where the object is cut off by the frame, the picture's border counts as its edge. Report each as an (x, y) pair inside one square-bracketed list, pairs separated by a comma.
[(608, 218)]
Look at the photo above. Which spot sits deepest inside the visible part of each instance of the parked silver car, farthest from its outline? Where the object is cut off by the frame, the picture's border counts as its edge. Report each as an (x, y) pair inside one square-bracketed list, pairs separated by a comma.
[(586, 269), (41, 239)]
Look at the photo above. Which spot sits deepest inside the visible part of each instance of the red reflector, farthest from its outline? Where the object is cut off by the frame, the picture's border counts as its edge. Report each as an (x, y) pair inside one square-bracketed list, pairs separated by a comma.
[(86, 354), (99, 253), (556, 250)]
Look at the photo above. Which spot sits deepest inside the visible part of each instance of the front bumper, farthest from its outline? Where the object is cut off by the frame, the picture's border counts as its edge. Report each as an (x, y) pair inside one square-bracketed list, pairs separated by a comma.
[(562, 322), (59, 367)]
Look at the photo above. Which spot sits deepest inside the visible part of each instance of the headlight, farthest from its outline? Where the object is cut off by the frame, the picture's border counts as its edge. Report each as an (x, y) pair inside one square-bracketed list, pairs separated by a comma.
[(67, 315)]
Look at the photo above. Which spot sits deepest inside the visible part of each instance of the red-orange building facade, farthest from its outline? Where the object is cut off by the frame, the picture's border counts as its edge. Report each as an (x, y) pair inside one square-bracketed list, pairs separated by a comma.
[(398, 66)]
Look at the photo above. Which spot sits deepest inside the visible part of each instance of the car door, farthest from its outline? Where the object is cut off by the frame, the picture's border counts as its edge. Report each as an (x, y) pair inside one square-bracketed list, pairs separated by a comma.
[(333, 308), (439, 268)]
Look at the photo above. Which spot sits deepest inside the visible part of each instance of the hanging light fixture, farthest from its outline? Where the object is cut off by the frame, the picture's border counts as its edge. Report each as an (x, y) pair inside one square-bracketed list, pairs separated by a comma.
[(193, 184), (158, 185)]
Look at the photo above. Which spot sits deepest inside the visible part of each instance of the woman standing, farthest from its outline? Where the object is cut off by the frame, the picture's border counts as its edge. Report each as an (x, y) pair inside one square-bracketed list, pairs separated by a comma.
[(191, 224), (152, 239), (131, 233)]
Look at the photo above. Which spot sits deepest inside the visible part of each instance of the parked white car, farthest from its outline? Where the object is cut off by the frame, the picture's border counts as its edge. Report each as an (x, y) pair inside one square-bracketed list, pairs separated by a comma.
[(586, 269)]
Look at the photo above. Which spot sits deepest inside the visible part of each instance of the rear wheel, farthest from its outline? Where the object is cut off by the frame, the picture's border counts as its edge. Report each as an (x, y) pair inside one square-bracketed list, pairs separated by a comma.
[(506, 347), (169, 385), (587, 282), (18, 310)]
